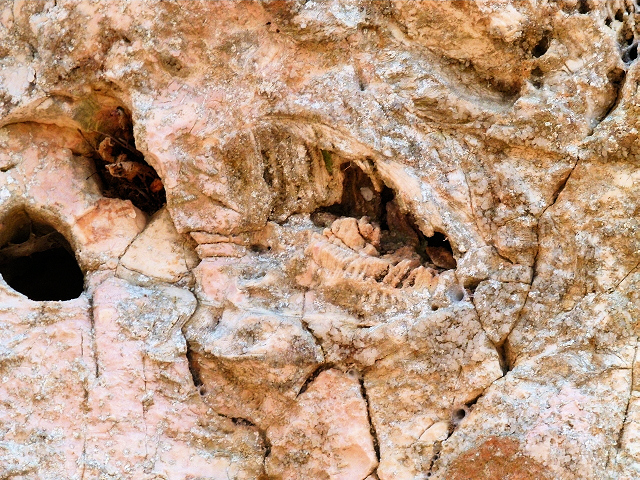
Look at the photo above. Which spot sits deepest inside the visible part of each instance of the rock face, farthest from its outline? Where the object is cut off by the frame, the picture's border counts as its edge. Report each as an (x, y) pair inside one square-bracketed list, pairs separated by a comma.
[(347, 239)]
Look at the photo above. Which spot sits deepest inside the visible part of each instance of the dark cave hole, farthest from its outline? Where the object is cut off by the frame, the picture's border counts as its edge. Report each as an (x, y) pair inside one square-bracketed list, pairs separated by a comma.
[(541, 48), (616, 76), (583, 6), (619, 15), (502, 358), (242, 422), (630, 53), (122, 169), (628, 41), (359, 196), (38, 261), (536, 77), (398, 228), (194, 370)]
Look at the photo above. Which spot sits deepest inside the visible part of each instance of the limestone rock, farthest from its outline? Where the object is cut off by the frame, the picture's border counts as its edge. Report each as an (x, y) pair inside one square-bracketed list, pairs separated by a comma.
[(297, 239), (326, 434), (160, 252)]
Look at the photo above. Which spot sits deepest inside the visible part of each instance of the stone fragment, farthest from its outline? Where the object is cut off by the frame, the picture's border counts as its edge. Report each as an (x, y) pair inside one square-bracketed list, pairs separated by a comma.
[(48, 368), (499, 305), (346, 229), (326, 435), (105, 232), (220, 250), (160, 251), (517, 240), (264, 349), (371, 233), (441, 257), (144, 390), (438, 382)]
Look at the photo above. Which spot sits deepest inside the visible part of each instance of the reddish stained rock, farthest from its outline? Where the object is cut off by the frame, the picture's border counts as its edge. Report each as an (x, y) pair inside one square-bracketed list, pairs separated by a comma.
[(496, 458)]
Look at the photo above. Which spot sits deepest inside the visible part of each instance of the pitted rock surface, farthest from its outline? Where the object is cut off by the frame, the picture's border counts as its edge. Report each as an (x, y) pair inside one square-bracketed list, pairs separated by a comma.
[(342, 239)]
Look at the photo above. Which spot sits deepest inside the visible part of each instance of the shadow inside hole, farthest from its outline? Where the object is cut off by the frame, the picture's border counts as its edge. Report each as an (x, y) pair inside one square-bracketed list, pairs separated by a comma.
[(458, 415), (541, 48), (38, 261), (122, 169), (630, 53), (583, 7), (536, 77), (398, 229), (456, 293)]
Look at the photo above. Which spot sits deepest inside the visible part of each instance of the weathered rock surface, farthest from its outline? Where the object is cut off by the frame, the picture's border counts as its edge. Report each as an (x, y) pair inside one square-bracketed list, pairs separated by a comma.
[(347, 239)]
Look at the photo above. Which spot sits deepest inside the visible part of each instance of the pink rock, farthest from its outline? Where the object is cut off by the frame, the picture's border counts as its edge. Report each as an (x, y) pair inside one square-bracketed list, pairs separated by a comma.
[(327, 433), (105, 232)]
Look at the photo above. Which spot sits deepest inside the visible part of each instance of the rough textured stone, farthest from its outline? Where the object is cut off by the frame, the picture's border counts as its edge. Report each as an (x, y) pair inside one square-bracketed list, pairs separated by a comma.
[(348, 239)]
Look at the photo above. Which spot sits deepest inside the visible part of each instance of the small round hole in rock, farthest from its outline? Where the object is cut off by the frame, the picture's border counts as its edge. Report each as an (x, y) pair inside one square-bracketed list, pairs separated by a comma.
[(541, 48), (38, 261), (459, 414), (456, 293), (583, 7), (536, 77)]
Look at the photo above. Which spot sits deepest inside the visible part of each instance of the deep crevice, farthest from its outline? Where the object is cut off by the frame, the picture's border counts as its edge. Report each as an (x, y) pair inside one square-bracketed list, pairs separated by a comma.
[(556, 195), (625, 28), (541, 47), (266, 442), (267, 452), (583, 7), (560, 189), (616, 77), (313, 376), (305, 326), (505, 366), (122, 168), (626, 412), (457, 416), (372, 428), (397, 228), (630, 53), (38, 261), (194, 370), (437, 447), (536, 77), (242, 422), (461, 412), (92, 330)]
